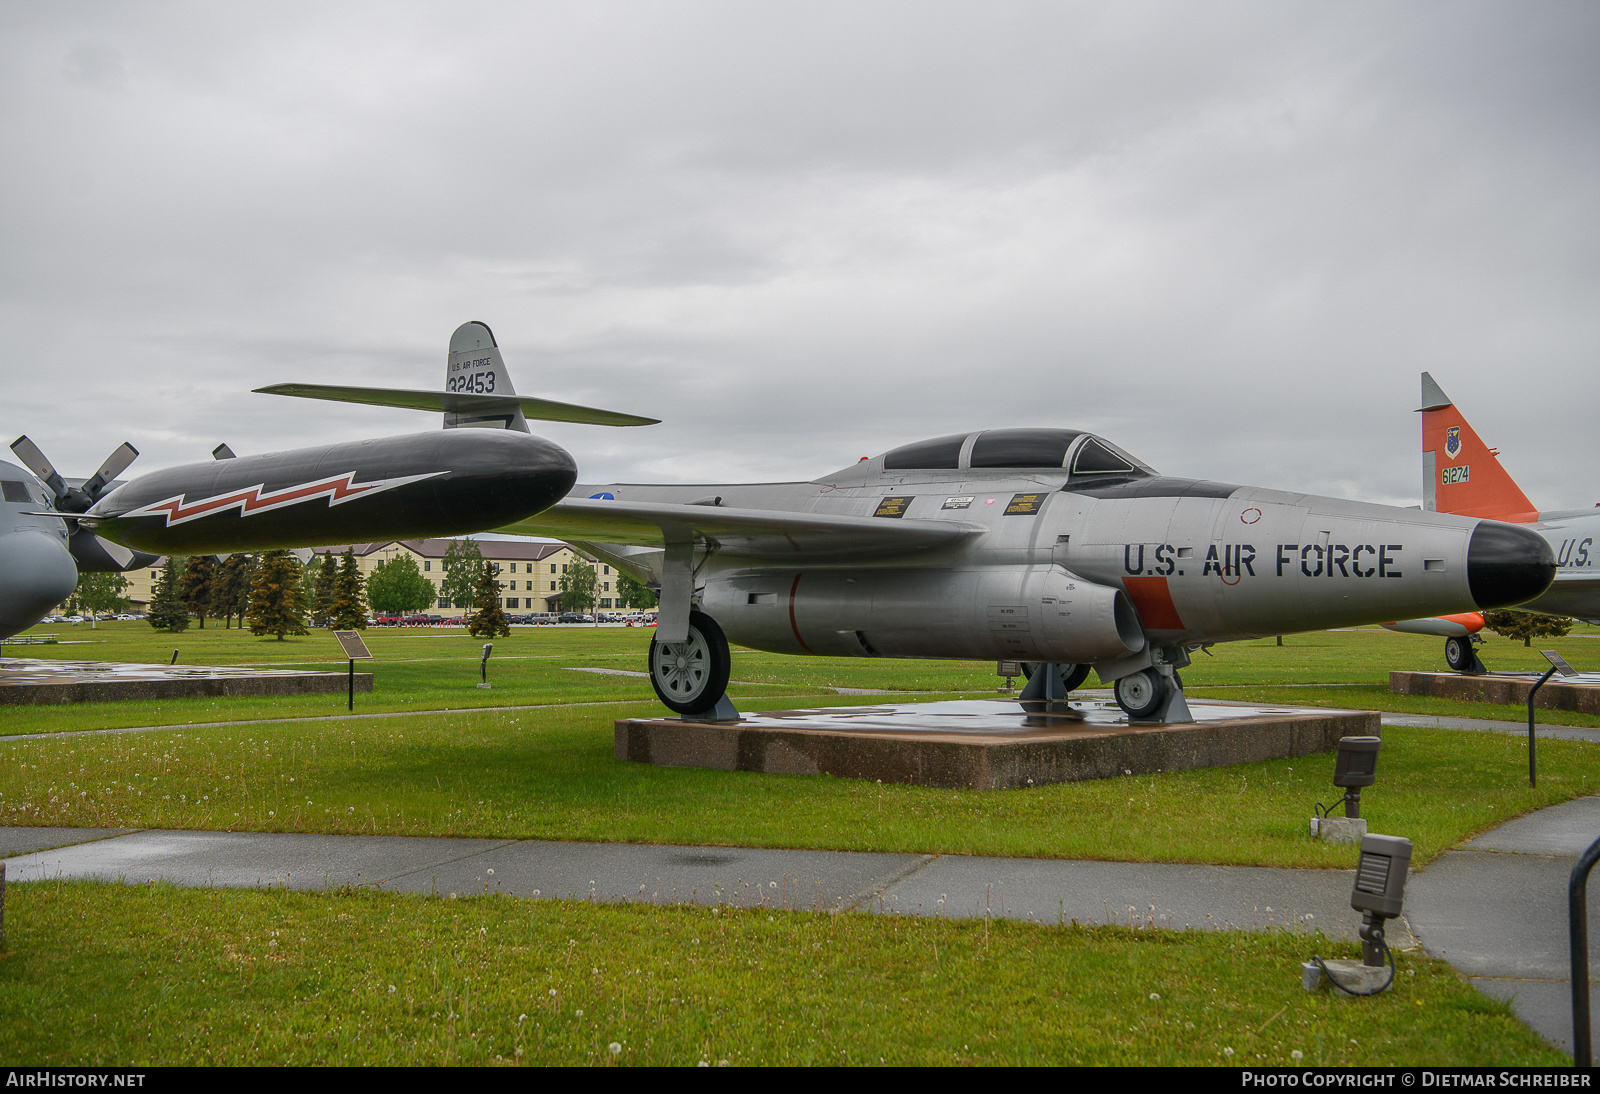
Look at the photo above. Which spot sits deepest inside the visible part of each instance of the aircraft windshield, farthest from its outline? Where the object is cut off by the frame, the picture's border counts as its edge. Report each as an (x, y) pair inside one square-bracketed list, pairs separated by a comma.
[(1022, 447), (940, 454)]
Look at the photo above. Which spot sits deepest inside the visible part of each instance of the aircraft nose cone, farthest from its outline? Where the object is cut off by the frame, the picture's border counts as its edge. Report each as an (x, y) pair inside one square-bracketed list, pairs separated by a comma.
[(1508, 564), (36, 574)]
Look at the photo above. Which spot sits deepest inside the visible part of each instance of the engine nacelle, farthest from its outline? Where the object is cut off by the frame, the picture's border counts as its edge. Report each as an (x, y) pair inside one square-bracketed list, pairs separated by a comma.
[(1027, 613)]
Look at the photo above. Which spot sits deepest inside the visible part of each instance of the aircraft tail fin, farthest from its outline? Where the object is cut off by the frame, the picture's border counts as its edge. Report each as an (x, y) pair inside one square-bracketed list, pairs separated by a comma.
[(1461, 474), (477, 392), (474, 367)]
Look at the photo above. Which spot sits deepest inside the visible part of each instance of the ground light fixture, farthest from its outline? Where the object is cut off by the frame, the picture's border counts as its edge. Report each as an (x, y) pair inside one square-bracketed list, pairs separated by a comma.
[(1356, 766), (483, 666), (1378, 894)]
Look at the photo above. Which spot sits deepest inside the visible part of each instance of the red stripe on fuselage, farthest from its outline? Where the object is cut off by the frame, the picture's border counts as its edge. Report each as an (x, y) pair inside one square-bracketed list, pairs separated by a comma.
[(1153, 600), (792, 625)]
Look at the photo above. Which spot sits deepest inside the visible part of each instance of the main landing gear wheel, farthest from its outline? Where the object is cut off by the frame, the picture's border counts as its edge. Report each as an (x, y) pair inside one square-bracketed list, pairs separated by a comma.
[(691, 676), (1458, 653), (1141, 694), (1072, 676)]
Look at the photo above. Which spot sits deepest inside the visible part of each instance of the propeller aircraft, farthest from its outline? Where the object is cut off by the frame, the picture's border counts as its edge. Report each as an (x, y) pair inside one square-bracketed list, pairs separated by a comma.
[(447, 483)]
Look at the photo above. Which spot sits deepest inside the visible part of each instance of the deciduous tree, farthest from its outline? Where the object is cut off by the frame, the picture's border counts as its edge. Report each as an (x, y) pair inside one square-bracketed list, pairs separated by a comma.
[(631, 594), (1527, 626), (398, 586), (462, 563), (100, 592), (579, 587)]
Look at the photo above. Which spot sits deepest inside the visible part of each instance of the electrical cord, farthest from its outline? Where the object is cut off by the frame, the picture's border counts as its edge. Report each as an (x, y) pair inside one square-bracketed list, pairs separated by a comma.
[(1388, 953)]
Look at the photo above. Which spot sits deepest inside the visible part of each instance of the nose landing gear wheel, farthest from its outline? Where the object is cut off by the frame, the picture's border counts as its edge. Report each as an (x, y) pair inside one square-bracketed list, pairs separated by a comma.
[(1141, 694), (1458, 653), (690, 676)]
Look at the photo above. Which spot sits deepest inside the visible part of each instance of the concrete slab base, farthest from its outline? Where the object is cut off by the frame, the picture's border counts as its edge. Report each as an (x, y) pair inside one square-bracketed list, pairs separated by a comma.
[(1353, 976), (1580, 693), (24, 681), (1339, 829), (987, 744)]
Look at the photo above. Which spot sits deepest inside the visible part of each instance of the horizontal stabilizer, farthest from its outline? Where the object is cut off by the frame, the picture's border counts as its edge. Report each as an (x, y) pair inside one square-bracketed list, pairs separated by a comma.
[(454, 402)]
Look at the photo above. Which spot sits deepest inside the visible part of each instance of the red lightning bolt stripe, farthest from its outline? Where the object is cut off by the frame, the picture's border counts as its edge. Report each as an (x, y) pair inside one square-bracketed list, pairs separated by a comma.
[(253, 500)]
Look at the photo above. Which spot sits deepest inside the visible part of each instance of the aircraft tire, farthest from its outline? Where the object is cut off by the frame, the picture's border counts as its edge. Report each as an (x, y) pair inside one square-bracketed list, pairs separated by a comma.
[(1141, 694), (1458, 653), (1072, 676), (691, 677)]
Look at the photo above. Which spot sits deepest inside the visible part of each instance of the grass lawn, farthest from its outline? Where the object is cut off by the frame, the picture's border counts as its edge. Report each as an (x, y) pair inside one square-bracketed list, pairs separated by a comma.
[(100, 974), (107, 974)]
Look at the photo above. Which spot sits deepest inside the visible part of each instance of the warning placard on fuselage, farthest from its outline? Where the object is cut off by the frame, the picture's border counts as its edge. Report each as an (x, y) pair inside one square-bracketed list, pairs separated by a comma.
[(893, 507), (1024, 504)]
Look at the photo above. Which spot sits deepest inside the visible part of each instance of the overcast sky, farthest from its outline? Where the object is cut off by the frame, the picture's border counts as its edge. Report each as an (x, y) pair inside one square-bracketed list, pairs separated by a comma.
[(1228, 236)]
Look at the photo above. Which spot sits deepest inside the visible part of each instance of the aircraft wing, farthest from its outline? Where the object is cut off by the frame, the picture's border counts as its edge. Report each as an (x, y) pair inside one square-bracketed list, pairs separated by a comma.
[(755, 533), (457, 402)]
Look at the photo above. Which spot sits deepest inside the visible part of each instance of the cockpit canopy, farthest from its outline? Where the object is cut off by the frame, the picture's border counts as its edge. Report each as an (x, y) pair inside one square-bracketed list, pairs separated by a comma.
[(1031, 449)]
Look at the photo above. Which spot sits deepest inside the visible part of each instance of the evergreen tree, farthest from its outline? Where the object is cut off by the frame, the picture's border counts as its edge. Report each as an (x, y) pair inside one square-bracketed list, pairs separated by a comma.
[(277, 596), (579, 587), (631, 594), (462, 563), (488, 621), (167, 611), (349, 609), (327, 577), (230, 589), (1526, 625), (398, 586), (195, 587)]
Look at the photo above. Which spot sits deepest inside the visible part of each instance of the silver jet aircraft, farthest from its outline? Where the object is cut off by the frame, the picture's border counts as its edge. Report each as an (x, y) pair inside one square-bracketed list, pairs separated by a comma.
[(1048, 546)]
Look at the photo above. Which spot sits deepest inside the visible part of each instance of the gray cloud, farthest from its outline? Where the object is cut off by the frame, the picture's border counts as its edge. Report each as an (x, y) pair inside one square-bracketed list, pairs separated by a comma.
[(1229, 236)]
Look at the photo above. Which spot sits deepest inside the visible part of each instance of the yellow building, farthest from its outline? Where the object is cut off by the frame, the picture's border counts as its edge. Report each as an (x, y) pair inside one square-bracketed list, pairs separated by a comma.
[(529, 572)]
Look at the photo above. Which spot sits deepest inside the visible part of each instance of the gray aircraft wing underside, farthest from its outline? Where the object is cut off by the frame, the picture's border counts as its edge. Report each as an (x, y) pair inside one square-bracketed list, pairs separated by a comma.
[(758, 534), (457, 402)]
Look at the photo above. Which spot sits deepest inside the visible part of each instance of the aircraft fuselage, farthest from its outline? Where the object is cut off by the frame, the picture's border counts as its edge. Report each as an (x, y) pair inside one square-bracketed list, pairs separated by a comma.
[(446, 483), (1196, 561)]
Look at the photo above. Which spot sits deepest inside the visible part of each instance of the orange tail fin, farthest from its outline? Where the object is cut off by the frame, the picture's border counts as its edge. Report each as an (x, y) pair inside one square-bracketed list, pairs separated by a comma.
[(1461, 474)]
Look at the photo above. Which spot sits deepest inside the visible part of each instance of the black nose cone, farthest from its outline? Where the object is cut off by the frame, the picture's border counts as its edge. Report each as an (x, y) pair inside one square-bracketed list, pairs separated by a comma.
[(1508, 564)]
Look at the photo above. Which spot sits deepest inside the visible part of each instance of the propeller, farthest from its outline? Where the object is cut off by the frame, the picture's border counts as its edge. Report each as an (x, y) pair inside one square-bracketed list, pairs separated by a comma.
[(73, 499), (91, 552)]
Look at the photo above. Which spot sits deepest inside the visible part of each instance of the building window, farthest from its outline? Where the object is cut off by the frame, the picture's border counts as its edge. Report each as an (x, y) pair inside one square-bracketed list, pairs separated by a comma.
[(605, 586), (511, 602), (443, 603), (513, 567), (605, 602), (607, 569), (426, 565), (513, 586), (563, 567), (552, 584), (552, 567)]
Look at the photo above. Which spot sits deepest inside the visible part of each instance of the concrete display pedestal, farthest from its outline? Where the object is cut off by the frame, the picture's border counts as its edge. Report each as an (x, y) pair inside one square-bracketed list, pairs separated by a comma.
[(1580, 693), (1353, 975), (34, 681), (987, 744), (1339, 829)]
